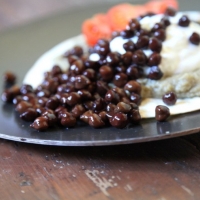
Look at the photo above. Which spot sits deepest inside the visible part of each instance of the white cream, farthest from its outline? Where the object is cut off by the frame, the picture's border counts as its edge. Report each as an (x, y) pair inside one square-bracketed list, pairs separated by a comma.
[(34, 76), (178, 54)]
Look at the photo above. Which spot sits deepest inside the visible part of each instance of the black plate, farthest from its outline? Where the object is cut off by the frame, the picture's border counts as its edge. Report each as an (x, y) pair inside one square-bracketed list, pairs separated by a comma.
[(21, 47)]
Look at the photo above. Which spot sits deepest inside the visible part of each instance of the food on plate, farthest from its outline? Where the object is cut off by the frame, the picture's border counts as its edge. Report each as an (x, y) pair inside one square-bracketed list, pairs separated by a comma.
[(148, 68), (162, 113), (171, 50), (169, 98)]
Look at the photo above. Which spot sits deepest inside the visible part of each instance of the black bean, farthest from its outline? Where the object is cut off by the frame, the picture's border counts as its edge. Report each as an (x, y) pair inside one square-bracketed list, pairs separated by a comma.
[(77, 67), (22, 106), (71, 99), (59, 111), (127, 58), (155, 73), (121, 68), (155, 44), (50, 115), (129, 46), (135, 98), (39, 109), (119, 91), (139, 57), (26, 89), (56, 70), (123, 107), (106, 72), (160, 34), (91, 64), (111, 107), (52, 103), (99, 105), (29, 97), (165, 21), (133, 86), (84, 94), (143, 32), (68, 120), (78, 110), (113, 59), (66, 88), (195, 38), (184, 21), (51, 85), (134, 106), (90, 74), (127, 34), (81, 82), (95, 121), (76, 50), (157, 26), (72, 58), (119, 120), (103, 116), (154, 59), (29, 115), (142, 42), (85, 116), (125, 100), (135, 116), (102, 47), (17, 99), (7, 96), (112, 96), (43, 93), (9, 77), (132, 72), (88, 105), (134, 25), (40, 123), (170, 11), (91, 87), (162, 113), (120, 79), (169, 98)]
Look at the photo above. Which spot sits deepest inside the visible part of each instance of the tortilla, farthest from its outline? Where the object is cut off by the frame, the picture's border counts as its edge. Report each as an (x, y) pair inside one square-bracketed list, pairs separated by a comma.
[(54, 56)]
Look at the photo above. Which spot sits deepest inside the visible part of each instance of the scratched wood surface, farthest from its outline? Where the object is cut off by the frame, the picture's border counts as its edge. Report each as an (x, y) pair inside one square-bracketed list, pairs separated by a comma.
[(161, 170)]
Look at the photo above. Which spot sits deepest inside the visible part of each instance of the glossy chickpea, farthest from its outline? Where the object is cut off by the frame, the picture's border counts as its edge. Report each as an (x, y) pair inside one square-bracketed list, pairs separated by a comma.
[(133, 86)]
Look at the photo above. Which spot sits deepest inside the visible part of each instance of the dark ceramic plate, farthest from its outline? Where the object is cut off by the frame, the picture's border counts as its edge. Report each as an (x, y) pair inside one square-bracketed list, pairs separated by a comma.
[(20, 48)]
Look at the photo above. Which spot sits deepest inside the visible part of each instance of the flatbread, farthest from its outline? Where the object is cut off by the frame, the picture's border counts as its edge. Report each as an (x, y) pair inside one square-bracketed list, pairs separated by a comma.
[(54, 56)]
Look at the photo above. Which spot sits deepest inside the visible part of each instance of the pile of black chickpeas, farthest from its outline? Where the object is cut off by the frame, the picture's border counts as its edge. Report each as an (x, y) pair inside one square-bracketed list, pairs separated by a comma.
[(100, 93)]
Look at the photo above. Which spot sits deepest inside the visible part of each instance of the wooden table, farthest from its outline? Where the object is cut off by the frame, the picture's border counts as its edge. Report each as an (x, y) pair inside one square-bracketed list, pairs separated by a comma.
[(160, 170)]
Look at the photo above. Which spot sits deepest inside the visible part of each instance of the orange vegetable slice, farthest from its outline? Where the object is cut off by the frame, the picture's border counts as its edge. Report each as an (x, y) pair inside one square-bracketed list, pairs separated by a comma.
[(96, 28), (119, 15)]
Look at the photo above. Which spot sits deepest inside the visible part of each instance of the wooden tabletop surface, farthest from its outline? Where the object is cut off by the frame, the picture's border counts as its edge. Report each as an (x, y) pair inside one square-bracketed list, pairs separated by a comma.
[(160, 170)]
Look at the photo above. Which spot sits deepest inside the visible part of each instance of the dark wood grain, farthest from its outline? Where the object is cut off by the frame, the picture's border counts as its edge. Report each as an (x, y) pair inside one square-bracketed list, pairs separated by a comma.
[(161, 170)]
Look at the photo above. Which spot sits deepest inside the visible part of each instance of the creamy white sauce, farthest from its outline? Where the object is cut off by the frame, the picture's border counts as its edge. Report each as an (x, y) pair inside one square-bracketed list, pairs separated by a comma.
[(35, 76), (178, 54)]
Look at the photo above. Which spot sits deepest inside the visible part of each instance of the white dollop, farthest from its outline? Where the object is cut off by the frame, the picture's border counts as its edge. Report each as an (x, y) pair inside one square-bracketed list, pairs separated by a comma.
[(178, 54), (94, 57)]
